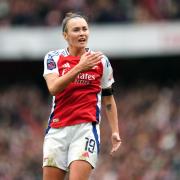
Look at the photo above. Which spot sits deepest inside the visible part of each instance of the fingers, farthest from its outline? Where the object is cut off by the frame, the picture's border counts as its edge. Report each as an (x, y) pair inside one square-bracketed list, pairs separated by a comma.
[(116, 142), (115, 148), (94, 57), (90, 59)]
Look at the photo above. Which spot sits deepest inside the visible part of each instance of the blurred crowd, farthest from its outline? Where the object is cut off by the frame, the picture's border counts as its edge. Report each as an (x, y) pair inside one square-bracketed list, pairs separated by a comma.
[(149, 121), (51, 13), (23, 113)]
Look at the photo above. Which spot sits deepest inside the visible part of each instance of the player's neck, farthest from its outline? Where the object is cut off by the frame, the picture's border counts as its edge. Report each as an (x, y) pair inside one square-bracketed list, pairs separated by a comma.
[(76, 52)]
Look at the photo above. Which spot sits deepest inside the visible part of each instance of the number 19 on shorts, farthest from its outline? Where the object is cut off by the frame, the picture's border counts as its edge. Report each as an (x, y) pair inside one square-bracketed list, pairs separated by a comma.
[(90, 145)]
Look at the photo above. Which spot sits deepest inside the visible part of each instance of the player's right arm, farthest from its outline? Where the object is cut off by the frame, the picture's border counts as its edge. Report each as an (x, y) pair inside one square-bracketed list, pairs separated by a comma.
[(56, 83)]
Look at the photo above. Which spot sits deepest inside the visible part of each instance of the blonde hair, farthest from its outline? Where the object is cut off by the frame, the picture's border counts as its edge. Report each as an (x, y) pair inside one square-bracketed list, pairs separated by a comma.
[(69, 16)]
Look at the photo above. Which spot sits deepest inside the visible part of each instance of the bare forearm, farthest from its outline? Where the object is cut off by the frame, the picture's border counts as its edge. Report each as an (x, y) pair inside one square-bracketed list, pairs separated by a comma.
[(111, 112), (58, 84)]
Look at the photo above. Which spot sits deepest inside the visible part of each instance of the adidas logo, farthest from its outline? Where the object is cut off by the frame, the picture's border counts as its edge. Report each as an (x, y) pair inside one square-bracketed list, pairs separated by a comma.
[(66, 65), (85, 154)]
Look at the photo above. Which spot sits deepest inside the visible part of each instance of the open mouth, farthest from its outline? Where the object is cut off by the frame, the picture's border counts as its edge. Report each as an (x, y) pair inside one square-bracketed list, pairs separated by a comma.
[(82, 40)]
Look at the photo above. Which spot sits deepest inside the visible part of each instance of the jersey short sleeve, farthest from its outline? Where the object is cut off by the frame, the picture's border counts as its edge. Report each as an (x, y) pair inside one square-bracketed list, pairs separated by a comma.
[(107, 77), (50, 62)]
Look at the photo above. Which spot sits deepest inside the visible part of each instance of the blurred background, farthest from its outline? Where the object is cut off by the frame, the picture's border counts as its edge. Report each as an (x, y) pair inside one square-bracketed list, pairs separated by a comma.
[(141, 39)]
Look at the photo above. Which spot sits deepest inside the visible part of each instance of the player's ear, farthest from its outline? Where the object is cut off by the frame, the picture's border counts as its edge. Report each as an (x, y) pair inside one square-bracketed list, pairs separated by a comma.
[(65, 35)]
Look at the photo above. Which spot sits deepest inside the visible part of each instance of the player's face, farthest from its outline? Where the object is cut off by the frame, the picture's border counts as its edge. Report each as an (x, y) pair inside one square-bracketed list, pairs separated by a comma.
[(77, 32)]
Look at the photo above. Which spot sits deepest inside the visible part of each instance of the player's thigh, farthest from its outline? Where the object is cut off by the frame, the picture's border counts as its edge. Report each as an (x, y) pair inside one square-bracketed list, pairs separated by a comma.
[(53, 173), (80, 170), (55, 149), (85, 144)]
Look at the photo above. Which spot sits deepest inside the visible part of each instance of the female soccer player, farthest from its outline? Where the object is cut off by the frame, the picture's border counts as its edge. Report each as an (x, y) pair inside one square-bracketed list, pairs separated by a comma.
[(78, 79)]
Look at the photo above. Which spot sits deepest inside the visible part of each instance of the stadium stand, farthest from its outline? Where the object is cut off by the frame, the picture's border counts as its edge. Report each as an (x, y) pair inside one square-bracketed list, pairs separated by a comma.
[(50, 13)]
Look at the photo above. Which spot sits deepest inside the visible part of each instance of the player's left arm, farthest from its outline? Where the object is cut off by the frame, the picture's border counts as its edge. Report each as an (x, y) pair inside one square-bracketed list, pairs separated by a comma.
[(112, 116)]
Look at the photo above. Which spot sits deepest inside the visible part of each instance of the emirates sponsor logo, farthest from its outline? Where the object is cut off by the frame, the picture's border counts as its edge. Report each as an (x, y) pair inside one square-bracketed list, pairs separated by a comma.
[(84, 78)]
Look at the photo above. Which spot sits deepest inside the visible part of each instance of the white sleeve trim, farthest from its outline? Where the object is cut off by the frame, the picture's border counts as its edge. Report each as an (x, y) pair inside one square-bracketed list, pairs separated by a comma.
[(50, 62), (107, 77)]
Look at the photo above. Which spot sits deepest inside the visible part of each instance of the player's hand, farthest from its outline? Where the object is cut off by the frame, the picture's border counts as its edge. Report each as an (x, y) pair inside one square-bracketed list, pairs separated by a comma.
[(89, 60), (116, 142)]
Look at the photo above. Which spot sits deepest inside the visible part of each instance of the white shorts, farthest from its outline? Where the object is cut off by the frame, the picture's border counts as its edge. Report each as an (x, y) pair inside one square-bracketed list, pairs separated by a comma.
[(70, 143)]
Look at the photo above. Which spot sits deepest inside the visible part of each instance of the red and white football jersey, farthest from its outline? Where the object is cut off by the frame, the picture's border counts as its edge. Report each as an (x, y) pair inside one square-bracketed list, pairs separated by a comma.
[(80, 101)]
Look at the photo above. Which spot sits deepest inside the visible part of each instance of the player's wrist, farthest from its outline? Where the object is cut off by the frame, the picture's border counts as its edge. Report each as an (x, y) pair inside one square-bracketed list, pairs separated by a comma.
[(115, 131), (78, 68), (116, 134)]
